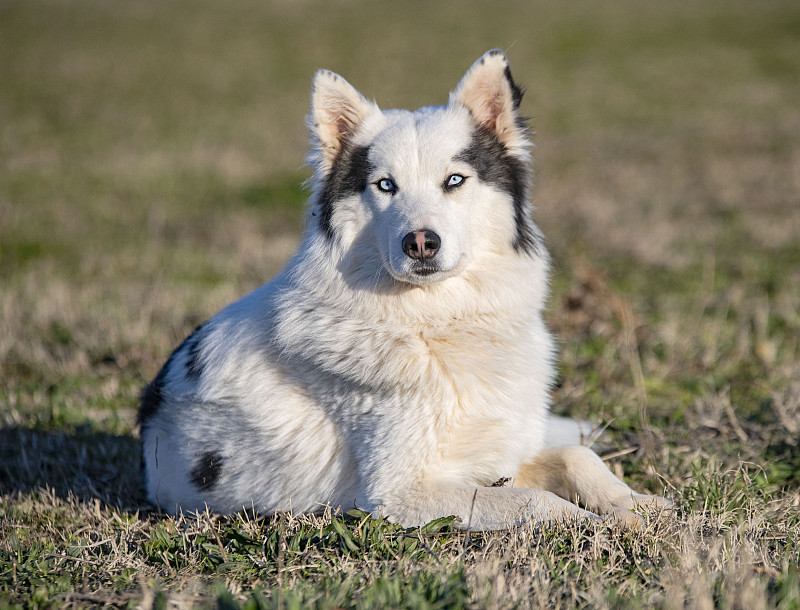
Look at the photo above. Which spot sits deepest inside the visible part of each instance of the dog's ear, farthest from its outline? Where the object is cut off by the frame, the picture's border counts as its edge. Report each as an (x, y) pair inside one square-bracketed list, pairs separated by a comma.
[(337, 110), (490, 94)]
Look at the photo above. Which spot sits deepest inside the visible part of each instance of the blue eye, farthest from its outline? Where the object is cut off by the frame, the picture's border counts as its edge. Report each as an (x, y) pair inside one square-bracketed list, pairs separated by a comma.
[(387, 186), (454, 181)]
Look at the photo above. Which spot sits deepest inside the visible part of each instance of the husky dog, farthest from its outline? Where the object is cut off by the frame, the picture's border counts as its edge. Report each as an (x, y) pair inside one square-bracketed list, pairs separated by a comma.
[(399, 364)]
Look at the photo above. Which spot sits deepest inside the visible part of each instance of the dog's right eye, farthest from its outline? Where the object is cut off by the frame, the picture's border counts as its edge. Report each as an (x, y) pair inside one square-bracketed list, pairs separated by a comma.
[(387, 186)]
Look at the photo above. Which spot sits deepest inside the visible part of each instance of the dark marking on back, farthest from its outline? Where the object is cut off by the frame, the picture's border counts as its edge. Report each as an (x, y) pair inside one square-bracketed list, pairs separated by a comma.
[(494, 165), (153, 394), (348, 176), (194, 366), (207, 471)]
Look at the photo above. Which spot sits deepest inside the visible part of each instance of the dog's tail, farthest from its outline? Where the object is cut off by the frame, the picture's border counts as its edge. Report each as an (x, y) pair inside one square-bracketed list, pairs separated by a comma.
[(564, 432)]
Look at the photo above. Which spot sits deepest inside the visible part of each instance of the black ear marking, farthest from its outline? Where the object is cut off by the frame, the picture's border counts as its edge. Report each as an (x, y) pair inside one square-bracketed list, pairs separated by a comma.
[(491, 53), (516, 91)]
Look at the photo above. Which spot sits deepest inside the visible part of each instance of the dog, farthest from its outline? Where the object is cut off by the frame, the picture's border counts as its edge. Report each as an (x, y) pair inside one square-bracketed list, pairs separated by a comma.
[(399, 364)]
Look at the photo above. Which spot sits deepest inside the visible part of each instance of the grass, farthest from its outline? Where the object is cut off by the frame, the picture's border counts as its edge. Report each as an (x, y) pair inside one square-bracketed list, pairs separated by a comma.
[(150, 163)]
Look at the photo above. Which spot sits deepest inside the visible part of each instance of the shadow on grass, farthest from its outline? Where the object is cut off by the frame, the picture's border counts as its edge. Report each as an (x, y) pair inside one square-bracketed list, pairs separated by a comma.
[(88, 465)]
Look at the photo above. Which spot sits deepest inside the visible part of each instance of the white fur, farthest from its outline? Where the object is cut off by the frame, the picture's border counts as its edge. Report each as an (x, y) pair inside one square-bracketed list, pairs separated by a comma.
[(350, 380)]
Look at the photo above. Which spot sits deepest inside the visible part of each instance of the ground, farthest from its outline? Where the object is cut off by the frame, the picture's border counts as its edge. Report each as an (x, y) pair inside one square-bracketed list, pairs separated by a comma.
[(150, 172)]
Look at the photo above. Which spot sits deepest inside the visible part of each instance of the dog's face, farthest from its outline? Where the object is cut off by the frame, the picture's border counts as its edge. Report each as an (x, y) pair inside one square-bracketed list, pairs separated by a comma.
[(417, 196)]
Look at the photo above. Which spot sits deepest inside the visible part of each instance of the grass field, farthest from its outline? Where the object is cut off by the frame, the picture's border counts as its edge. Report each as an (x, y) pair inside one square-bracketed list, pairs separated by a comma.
[(150, 167)]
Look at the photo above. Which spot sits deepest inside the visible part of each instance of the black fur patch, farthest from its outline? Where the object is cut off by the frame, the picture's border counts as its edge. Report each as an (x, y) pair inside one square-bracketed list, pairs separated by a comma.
[(348, 176), (516, 90), (206, 472), (153, 394), (491, 161), (194, 366)]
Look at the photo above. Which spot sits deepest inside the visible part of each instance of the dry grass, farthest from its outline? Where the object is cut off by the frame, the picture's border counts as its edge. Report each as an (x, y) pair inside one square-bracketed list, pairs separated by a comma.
[(149, 161), (734, 556)]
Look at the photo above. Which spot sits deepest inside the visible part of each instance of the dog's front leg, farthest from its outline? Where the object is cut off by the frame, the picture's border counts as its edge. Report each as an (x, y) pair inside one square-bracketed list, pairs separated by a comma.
[(579, 475), (481, 508)]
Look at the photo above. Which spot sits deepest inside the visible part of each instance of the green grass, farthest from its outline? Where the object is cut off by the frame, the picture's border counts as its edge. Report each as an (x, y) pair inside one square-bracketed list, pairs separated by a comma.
[(150, 168)]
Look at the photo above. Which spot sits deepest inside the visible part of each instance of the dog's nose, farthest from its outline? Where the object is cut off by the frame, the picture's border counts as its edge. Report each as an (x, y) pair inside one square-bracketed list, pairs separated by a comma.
[(421, 245)]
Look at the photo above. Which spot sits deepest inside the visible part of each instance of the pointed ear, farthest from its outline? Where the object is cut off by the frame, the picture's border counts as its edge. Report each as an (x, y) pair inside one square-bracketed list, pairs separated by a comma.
[(337, 110), (490, 94)]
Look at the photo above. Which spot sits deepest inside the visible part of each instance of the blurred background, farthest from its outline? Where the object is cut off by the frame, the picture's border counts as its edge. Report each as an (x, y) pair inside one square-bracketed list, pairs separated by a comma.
[(151, 161)]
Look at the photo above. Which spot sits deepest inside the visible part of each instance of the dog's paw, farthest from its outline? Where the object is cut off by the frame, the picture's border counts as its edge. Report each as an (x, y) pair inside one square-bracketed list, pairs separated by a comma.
[(622, 512), (650, 503), (624, 518), (624, 515)]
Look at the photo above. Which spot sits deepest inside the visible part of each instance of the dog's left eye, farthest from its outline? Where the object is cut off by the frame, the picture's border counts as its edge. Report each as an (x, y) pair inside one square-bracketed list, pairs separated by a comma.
[(454, 181), (386, 185)]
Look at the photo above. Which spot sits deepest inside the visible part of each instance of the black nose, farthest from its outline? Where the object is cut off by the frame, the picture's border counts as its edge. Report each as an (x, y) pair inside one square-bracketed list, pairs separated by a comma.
[(421, 245)]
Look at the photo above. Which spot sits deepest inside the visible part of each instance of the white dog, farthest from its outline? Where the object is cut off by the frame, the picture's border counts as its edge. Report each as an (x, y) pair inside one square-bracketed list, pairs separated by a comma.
[(399, 364)]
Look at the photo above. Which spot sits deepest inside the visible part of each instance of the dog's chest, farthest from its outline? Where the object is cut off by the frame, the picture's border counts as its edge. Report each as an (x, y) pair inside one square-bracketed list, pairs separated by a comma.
[(491, 401), (477, 347), (478, 370)]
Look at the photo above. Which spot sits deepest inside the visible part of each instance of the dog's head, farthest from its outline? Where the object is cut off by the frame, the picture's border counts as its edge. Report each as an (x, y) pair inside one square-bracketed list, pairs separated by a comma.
[(419, 196)]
